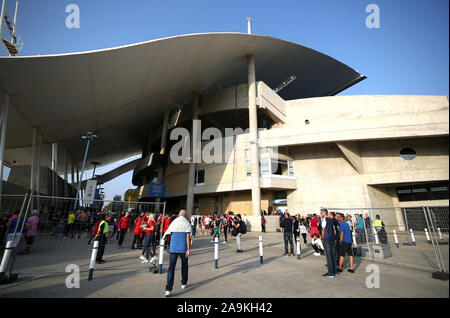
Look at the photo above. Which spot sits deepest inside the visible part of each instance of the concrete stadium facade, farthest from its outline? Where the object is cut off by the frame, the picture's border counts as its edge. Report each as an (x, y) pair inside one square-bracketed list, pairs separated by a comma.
[(329, 151), (339, 151)]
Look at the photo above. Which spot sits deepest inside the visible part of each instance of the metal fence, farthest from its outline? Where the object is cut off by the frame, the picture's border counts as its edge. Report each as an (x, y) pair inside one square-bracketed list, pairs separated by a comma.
[(412, 237), (60, 242)]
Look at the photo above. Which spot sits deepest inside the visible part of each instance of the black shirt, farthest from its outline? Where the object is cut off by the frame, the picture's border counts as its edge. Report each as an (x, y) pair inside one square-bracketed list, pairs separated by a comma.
[(287, 224)]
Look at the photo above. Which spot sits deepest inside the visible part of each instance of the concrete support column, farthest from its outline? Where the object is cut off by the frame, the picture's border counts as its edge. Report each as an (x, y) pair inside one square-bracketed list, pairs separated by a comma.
[(253, 125), (161, 170), (3, 122), (33, 163), (54, 169), (65, 174), (163, 144), (38, 166), (33, 167), (191, 179), (77, 175)]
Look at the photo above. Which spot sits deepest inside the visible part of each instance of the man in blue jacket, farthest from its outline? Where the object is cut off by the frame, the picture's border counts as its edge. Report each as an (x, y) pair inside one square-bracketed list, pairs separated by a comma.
[(329, 230)]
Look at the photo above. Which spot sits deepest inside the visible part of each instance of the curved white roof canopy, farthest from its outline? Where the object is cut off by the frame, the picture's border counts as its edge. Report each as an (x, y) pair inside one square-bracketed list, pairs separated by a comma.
[(120, 93)]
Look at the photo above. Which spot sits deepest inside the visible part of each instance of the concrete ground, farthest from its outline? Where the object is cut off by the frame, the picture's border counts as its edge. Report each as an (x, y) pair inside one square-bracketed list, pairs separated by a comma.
[(240, 275)]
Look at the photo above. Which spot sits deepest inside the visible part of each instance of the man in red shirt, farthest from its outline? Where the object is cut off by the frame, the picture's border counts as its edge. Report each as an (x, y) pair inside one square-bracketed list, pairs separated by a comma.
[(123, 227), (138, 231), (165, 226), (263, 223), (94, 231)]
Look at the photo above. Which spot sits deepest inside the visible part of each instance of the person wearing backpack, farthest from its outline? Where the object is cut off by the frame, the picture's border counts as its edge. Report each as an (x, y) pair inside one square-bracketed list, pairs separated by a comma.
[(239, 228)]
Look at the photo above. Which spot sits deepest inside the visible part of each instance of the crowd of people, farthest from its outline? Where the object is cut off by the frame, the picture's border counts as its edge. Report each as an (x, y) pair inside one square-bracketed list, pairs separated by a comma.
[(329, 234)]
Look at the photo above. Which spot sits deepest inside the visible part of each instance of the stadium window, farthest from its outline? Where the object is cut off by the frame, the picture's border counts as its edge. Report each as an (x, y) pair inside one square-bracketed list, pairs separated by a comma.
[(408, 153), (200, 177)]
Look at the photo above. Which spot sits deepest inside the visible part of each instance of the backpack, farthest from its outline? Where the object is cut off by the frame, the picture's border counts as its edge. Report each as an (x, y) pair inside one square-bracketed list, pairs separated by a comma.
[(243, 227)]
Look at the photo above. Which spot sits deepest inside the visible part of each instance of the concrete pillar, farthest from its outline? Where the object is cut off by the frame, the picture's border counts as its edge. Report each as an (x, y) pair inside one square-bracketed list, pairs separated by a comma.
[(161, 170), (191, 179), (77, 175), (33, 167), (65, 174), (54, 169), (163, 144), (33, 163), (38, 166), (253, 125), (73, 173), (3, 122)]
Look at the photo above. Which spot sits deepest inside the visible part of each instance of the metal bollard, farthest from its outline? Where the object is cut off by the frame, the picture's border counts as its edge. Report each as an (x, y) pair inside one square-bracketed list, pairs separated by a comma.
[(93, 258), (376, 237), (412, 237), (5, 259), (299, 250), (354, 239), (440, 234), (428, 235), (161, 255), (216, 253), (261, 261), (396, 239)]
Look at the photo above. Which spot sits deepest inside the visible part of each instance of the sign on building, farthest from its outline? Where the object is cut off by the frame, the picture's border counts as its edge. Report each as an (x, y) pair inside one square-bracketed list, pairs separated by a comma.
[(91, 186), (157, 190)]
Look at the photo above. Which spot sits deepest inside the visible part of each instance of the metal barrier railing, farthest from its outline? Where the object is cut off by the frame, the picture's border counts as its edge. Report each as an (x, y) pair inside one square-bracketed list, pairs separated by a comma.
[(412, 237), (62, 235)]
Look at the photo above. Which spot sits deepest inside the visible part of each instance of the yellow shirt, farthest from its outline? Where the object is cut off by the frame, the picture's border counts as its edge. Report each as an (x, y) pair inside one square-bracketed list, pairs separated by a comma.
[(71, 218)]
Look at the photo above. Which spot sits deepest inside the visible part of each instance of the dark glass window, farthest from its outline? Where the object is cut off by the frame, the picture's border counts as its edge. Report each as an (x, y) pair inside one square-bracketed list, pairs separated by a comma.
[(200, 177), (408, 153), (424, 192)]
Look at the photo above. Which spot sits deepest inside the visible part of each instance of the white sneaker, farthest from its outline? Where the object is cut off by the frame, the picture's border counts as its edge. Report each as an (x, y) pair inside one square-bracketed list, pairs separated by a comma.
[(224, 242), (185, 286), (154, 258), (142, 257), (316, 254), (167, 293), (144, 261)]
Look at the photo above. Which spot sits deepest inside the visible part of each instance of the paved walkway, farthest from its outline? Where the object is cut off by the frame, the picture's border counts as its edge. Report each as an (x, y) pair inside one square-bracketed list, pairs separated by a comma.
[(240, 275)]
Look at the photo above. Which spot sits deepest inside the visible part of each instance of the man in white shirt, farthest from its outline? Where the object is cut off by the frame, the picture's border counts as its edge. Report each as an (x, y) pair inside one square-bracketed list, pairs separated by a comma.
[(317, 245), (207, 221), (193, 224)]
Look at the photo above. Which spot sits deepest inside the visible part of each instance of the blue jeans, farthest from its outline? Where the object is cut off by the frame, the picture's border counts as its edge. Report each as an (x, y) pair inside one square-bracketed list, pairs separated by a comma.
[(288, 240), (171, 270), (193, 230), (331, 253), (360, 235), (238, 241), (150, 241)]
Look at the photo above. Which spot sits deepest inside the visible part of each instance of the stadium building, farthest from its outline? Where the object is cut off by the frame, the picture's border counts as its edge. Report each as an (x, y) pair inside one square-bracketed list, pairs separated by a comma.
[(302, 147)]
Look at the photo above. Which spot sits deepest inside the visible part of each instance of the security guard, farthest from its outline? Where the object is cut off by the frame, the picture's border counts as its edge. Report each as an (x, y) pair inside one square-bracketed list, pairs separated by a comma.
[(379, 227), (101, 236)]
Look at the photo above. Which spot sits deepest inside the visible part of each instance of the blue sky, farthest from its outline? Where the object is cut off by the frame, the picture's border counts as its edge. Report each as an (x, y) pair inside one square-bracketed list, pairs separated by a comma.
[(408, 54)]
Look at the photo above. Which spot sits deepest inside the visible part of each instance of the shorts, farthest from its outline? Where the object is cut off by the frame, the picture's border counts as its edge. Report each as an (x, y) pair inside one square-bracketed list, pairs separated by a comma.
[(345, 248), (30, 240)]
